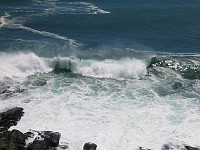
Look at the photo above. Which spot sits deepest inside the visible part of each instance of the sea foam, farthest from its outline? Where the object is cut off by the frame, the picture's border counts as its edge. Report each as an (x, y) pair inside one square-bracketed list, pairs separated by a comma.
[(21, 65), (125, 68)]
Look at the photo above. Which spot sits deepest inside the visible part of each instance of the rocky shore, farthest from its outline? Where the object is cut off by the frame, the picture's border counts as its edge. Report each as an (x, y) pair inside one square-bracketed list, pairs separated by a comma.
[(45, 140)]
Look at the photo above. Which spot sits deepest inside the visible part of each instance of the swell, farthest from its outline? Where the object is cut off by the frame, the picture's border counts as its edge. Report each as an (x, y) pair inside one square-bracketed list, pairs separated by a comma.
[(13, 23)]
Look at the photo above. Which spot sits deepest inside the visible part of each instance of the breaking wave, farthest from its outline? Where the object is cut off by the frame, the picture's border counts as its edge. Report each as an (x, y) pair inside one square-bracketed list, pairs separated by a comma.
[(19, 66), (125, 68), (22, 65)]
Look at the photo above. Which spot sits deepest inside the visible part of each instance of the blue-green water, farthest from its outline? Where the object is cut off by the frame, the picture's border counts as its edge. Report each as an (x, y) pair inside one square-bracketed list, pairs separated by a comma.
[(123, 74)]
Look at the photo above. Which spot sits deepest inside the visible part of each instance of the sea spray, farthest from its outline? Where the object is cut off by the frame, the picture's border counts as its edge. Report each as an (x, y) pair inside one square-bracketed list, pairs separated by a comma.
[(21, 65)]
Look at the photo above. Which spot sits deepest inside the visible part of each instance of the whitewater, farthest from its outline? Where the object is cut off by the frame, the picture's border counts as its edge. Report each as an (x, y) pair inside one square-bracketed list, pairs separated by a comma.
[(113, 103)]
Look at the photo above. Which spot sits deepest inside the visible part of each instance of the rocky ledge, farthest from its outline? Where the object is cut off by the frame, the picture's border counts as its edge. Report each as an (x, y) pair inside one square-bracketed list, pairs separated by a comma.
[(10, 118), (31, 140), (45, 140)]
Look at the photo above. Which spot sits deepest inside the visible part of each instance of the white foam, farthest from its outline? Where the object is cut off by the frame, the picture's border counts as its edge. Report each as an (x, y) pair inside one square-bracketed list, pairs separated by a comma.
[(117, 69), (113, 114), (94, 9), (21, 65), (61, 7)]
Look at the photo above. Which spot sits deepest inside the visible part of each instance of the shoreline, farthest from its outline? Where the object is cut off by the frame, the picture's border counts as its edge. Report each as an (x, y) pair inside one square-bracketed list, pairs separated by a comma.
[(44, 140)]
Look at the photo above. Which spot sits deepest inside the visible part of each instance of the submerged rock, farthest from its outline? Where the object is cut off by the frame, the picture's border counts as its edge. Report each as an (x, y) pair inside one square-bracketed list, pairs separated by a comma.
[(35, 82), (89, 146), (10, 118), (10, 88), (191, 73), (177, 85), (39, 82)]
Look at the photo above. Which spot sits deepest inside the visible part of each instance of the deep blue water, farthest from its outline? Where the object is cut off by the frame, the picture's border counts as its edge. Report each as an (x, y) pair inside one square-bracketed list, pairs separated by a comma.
[(144, 25)]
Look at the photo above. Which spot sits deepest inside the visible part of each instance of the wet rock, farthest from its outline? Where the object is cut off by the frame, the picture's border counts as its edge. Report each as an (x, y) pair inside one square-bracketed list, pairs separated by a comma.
[(10, 118), (142, 148), (191, 148), (12, 140), (63, 146), (38, 145), (171, 146), (29, 134), (44, 140), (89, 146), (52, 137)]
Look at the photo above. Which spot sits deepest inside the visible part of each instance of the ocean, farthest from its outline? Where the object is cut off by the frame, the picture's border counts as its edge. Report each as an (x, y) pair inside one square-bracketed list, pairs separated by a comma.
[(121, 74)]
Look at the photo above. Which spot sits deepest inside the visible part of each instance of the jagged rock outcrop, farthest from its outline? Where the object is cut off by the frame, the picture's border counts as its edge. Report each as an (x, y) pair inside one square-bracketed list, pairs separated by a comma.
[(10, 118), (12, 140), (89, 146), (43, 140)]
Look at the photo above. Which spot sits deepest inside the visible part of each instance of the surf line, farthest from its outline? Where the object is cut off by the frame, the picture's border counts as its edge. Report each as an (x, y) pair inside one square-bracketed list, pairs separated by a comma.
[(5, 22)]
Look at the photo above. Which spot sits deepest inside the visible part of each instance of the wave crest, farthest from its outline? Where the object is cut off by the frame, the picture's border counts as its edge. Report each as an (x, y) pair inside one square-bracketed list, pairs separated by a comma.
[(125, 68), (21, 65)]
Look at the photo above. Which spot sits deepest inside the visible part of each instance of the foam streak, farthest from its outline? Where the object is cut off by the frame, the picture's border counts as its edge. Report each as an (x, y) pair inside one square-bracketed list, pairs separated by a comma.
[(11, 23)]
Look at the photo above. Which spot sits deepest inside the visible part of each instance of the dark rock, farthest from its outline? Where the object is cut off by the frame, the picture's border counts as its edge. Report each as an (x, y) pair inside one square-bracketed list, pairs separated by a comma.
[(171, 146), (29, 134), (12, 140), (2, 129), (38, 145), (10, 118), (52, 137), (142, 148), (191, 148), (63, 146), (89, 146), (165, 147), (44, 140)]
